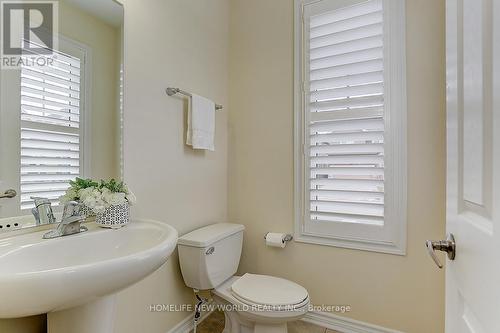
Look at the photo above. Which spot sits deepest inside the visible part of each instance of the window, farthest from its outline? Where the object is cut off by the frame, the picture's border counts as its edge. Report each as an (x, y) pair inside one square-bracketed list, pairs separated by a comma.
[(350, 121), (52, 104)]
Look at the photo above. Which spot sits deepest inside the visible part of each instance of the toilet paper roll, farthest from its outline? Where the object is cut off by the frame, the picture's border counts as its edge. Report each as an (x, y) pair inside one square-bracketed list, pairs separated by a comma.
[(275, 239)]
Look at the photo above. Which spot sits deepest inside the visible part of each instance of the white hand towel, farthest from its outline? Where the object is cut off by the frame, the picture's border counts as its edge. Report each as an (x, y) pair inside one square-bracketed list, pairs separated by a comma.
[(201, 123)]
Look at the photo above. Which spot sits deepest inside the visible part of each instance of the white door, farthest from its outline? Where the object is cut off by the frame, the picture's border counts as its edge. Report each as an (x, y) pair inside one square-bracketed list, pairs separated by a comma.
[(473, 174)]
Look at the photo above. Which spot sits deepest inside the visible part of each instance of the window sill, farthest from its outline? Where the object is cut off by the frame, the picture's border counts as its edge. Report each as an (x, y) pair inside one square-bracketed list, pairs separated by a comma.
[(354, 244)]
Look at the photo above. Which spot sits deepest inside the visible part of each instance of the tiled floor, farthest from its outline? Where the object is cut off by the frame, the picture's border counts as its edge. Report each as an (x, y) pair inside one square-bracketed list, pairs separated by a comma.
[(215, 324), (212, 324)]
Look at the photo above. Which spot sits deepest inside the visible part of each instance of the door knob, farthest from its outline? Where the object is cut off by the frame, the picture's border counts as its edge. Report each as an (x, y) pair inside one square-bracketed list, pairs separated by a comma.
[(8, 194), (447, 246)]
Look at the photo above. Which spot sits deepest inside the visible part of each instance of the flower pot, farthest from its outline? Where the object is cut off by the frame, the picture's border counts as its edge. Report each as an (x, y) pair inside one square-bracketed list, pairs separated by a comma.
[(115, 216), (86, 211)]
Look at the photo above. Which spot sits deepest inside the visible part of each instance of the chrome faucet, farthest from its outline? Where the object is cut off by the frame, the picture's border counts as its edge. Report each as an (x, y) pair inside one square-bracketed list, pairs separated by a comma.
[(43, 211), (70, 222)]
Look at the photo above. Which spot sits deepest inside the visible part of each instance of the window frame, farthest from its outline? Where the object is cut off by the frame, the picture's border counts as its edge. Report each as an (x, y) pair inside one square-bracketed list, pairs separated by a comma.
[(390, 238), (72, 47)]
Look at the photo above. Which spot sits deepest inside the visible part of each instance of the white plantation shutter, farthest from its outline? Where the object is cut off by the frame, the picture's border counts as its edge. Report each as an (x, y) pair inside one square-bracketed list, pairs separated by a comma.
[(50, 128), (346, 110), (350, 159)]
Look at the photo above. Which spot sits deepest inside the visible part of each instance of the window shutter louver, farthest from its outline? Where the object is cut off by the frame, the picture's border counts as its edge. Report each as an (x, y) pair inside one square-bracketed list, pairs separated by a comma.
[(346, 114), (50, 128)]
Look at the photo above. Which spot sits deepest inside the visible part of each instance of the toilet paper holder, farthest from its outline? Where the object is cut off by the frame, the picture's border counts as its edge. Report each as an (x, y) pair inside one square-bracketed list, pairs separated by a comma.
[(287, 238)]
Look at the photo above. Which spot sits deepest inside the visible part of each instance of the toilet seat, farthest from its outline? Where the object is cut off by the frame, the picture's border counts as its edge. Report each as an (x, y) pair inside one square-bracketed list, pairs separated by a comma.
[(269, 292), (241, 313)]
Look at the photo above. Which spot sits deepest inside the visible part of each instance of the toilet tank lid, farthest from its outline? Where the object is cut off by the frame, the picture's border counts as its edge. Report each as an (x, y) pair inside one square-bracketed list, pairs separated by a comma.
[(210, 234)]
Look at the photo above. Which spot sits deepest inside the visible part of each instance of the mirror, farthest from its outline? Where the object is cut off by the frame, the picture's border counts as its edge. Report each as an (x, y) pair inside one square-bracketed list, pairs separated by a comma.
[(60, 118)]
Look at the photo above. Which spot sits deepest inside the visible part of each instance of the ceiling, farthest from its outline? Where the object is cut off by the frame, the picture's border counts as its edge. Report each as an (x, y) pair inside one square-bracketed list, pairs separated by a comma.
[(110, 11)]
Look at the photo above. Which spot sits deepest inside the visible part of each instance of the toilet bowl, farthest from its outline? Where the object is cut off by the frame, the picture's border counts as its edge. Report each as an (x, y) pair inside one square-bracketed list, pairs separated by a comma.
[(271, 304), (209, 258)]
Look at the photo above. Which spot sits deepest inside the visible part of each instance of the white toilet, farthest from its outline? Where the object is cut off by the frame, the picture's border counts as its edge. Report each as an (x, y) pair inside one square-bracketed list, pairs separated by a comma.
[(209, 258)]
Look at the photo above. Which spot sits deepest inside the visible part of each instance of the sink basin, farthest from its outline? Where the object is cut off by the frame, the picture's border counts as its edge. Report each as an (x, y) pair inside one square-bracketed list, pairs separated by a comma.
[(45, 275)]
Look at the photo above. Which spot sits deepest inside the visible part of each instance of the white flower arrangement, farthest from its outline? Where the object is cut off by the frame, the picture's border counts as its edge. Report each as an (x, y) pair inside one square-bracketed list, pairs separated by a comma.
[(98, 196)]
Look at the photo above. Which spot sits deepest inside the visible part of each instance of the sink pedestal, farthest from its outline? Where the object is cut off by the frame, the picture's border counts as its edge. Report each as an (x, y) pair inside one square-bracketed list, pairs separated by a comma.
[(95, 317)]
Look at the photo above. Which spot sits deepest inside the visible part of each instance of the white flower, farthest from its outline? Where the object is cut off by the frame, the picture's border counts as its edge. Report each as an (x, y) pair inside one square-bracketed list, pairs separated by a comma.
[(70, 195), (99, 199), (113, 198), (92, 198)]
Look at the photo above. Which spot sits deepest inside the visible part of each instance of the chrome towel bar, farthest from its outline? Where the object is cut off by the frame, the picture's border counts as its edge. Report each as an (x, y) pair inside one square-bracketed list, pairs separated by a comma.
[(172, 91)]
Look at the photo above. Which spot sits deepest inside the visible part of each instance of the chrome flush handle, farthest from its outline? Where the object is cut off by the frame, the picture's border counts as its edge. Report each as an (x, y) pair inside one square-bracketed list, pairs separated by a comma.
[(447, 246)]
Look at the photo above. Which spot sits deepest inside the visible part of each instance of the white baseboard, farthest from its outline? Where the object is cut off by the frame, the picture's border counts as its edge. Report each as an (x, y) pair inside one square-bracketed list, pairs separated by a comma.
[(323, 319), (343, 324), (186, 325)]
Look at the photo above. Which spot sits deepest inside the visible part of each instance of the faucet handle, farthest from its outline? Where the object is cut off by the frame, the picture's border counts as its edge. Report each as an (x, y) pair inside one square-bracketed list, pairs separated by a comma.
[(71, 208), (40, 201), (70, 222), (42, 211), (36, 214)]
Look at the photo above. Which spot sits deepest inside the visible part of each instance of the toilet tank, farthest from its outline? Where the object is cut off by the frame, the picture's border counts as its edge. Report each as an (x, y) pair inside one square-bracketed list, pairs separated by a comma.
[(210, 255)]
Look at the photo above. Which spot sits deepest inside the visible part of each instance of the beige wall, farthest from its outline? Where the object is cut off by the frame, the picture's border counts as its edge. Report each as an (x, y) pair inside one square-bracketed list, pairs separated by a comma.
[(178, 43), (105, 41), (404, 293)]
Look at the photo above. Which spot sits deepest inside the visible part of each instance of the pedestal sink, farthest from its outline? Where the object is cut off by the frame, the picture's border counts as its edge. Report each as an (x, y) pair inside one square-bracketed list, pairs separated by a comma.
[(60, 276)]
